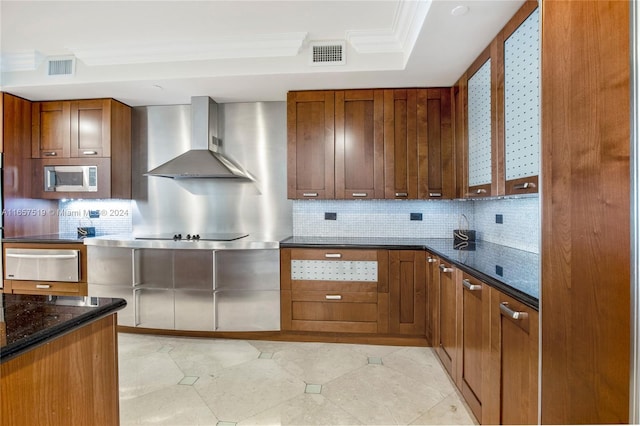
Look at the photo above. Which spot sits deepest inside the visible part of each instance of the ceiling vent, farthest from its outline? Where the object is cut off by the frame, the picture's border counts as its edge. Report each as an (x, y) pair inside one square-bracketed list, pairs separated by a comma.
[(328, 53), (61, 66)]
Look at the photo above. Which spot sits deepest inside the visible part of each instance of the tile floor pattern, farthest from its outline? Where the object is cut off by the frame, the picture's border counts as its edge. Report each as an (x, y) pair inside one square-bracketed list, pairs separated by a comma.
[(189, 381)]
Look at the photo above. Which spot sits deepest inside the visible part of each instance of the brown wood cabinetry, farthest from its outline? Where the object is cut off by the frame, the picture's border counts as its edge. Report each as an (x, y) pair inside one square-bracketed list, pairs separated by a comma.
[(359, 158), (435, 144), (49, 287), (474, 341), (407, 293), (400, 144), (310, 145), (370, 143), (71, 380), (512, 391), (432, 283), (320, 294), (447, 335), (83, 132)]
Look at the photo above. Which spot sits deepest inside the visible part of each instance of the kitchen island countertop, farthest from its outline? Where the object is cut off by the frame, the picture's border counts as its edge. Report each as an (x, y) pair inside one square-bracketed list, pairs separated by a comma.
[(28, 321), (515, 272)]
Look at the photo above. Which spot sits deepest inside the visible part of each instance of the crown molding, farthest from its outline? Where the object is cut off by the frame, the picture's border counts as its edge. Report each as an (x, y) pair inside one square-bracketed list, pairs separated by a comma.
[(400, 38), (250, 46), (21, 61)]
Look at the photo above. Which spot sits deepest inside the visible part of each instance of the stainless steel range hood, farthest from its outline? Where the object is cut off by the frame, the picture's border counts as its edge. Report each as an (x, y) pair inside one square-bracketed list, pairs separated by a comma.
[(204, 159)]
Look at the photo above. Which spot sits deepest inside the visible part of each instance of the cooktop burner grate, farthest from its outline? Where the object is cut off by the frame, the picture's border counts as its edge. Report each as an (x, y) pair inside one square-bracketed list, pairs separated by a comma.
[(229, 236)]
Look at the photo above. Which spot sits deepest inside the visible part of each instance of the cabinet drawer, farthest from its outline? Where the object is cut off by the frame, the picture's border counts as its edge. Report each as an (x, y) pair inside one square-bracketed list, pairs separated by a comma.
[(335, 296), (54, 288), (326, 311), (334, 286), (333, 254)]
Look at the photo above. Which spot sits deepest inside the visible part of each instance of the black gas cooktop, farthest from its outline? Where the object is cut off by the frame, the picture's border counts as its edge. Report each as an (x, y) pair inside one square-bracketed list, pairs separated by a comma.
[(229, 236)]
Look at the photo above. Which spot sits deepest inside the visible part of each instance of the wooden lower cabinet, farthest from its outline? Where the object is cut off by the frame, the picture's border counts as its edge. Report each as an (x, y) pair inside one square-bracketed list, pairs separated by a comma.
[(474, 341), (512, 397), (432, 283), (326, 290), (446, 343), (407, 292)]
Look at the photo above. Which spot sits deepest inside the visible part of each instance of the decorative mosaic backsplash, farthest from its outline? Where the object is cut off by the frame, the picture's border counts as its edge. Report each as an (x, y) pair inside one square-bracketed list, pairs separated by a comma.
[(391, 218), (114, 216)]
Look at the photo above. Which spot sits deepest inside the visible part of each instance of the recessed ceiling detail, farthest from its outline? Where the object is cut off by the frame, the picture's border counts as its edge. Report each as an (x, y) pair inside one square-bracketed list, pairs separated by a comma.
[(249, 46), (402, 35), (21, 61)]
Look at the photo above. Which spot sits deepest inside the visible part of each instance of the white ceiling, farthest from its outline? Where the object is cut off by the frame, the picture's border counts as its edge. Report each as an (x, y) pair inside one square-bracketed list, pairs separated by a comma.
[(164, 52)]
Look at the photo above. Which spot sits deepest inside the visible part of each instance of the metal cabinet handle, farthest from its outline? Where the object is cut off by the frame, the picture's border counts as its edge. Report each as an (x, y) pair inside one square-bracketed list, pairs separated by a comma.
[(444, 268), (333, 297), (43, 286), (432, 260), (310, 194), (402, 194), (435, 194), (42, 256), (89, 152), (333, 255), (525, 185), (471, 287), (359, 194), (508, 312), (50, 154)]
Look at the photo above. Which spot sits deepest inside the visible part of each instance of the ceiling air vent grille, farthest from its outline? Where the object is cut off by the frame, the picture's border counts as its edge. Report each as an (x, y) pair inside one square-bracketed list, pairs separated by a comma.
[(328, 53), (60, 66)]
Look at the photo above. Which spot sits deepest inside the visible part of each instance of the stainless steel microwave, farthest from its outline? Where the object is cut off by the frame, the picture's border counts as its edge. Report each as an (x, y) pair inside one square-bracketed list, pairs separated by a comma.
[(71, 178)]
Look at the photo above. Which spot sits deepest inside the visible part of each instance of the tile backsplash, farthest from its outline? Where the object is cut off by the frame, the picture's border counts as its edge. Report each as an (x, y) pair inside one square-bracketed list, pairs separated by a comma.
[(114, 216), (391, 218)]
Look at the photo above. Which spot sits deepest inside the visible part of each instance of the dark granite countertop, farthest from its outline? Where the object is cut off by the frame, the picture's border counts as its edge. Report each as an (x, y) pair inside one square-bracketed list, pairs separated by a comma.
[(28, 321), (515, 272), (48, 238)]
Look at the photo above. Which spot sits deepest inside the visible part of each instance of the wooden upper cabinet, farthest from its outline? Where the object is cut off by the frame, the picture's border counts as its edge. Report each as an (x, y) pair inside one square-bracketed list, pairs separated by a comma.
[(51, 129), (400, 144), (310, 145), (435, 144), (91, 128), (519, 108), (359, 156), (76, 129)]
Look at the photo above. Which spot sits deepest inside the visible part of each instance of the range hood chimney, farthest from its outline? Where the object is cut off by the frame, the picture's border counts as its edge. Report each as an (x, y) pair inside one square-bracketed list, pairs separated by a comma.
[(204, 159)]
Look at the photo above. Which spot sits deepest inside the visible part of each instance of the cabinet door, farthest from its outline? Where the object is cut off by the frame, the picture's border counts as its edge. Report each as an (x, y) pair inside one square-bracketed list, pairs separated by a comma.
[(447, 319), (433, 284), (512, 396), (154, 308), (475, 343), (400, 144), (90, 128), (51, 129), (481, 150), (407, 292), (359, 144), (435, 144), (310, 145)]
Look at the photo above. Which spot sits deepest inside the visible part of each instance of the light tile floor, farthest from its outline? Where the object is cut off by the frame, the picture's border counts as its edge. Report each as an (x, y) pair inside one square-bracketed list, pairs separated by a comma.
[(188, 381)]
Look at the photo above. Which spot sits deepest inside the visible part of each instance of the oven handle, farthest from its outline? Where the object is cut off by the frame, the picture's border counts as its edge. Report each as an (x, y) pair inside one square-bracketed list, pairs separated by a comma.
[(42, 256)]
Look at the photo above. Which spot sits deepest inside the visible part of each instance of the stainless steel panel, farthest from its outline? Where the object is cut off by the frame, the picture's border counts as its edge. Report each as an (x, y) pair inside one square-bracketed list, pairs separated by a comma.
[(110, 266), (154, 308), (247, 310), (154, 268), (247, 270), (125, 315), (193, 269), (252, 242), (42, 265), (253, 134), (194, 310)]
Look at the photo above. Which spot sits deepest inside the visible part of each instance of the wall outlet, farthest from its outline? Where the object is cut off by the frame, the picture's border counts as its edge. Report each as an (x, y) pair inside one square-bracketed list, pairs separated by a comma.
[(499, 218), (330, 216), (94, 214), (499, 270), (415, 216)]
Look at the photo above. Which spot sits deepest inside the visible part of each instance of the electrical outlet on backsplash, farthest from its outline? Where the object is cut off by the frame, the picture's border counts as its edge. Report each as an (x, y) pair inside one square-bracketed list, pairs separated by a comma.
[(106, 216), (388, 218)]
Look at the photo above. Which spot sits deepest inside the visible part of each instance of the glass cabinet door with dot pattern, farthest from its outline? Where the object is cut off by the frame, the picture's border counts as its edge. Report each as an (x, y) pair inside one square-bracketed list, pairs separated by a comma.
[(522, 107), (479, 125)]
